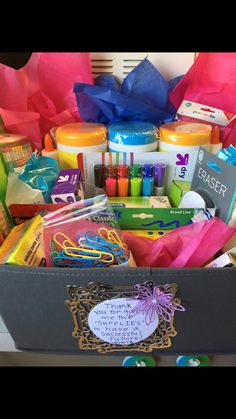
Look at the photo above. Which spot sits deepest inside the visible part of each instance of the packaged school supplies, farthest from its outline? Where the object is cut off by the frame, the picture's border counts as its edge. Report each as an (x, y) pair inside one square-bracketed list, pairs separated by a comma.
[(226, 260), (39, 96), (76, 138), (141, 202), (143, 96), (228, 155), (19, 192), (32, 183), (132, 136), (73, 237), (214, 180), (184, 136), (186, 247), (149, 234), (22, 246), (68, 187), (5, 216), (23, 212), (178, 189), (16, 150), (145, 213), (92, 250), (179, 166), (40, 173), (5, 223)]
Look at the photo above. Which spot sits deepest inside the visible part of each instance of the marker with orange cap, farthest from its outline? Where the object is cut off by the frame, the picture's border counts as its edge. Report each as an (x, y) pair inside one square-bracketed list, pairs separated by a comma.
[(49, 150), (215, 144), (123, 180)]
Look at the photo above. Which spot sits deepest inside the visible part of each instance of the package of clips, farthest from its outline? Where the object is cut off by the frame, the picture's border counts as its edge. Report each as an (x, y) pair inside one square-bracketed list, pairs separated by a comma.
[(85, 234)]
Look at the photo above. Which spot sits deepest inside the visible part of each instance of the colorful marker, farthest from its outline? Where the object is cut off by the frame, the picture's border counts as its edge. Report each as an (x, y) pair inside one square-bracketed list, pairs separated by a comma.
[(111, 182), (99, 175), (148, 179), (136, 180), (123, 180), (159, 173)]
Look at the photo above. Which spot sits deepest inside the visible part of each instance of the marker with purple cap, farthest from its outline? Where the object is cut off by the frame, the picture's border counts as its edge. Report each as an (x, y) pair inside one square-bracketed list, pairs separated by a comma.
[(159, 174)]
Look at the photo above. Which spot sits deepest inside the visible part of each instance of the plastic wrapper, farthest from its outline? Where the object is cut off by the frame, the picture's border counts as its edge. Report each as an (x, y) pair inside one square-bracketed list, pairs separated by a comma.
[(143, 96), (211, 82), (40, 95), (84, 234), (190, 246), (228, 155), (32, 183)]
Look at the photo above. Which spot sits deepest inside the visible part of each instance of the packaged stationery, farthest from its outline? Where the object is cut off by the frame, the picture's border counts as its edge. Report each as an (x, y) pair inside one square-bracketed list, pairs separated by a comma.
[(84, 234), (22, 246), (16, 150)]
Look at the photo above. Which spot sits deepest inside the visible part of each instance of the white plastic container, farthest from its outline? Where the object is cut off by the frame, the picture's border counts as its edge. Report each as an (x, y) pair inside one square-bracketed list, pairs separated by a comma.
[(132, 136), (184, 136)]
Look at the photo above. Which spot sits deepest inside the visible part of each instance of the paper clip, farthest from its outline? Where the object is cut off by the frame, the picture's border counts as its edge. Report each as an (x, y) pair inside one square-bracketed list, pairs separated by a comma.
[(68, 261), (67, 242), (54, 250), (83, 253), (112, 236), (92, 250)]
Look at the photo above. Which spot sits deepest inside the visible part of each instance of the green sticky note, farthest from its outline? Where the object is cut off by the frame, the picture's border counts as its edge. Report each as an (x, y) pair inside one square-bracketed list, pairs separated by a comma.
[(177, 190)]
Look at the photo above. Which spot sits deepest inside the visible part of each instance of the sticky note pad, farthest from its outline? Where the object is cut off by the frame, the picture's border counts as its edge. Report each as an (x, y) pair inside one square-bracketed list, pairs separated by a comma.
[(177, 190)]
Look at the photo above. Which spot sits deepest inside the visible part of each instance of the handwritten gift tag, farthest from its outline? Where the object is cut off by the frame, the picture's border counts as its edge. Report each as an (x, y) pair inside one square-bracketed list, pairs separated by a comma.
[(110, 321)]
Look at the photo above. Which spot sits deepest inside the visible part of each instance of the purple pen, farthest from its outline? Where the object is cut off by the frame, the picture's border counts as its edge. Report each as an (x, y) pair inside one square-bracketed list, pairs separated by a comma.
[(159, 174)]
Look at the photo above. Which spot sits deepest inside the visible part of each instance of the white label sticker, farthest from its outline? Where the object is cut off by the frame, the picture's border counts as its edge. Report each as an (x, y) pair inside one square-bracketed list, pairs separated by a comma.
[(110, 322), (205, 113)]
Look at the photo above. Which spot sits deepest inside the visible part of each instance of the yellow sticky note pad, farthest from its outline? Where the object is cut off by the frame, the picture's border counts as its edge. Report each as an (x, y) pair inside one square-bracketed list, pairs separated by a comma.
[(23, 245), (149, 234)]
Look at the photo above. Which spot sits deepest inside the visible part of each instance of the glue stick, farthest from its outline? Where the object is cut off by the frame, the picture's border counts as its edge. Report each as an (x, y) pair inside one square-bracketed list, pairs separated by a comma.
[(49, 150), (215, 144)]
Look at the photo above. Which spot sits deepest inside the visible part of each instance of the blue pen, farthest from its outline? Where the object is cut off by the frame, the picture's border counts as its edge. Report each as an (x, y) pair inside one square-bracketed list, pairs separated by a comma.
[(148, 179)]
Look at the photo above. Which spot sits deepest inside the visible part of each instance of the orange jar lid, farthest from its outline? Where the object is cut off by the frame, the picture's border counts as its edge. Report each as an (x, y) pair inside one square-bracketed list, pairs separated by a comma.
[(81, 134), (185, 133)]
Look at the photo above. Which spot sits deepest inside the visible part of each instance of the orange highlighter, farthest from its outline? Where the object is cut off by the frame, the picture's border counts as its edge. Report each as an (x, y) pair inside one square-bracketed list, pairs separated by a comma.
[(123, 180)]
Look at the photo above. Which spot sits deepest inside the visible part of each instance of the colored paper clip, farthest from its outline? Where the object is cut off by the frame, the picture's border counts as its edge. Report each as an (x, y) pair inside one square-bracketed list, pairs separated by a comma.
[(81, 262), (54, 250), (84, 253), (92, 250), (61, 262), (67, 242), (97, 242), (112, 236)]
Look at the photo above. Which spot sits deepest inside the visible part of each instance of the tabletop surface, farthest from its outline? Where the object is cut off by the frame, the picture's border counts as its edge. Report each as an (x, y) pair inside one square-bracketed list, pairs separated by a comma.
[(6, 341)]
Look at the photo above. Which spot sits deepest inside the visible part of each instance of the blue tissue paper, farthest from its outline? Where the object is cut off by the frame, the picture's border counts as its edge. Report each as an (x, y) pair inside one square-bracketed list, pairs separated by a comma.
[(143, 96)]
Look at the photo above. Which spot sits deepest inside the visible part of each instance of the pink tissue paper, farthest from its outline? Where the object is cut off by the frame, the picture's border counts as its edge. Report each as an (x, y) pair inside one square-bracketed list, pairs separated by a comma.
[(40, 95)]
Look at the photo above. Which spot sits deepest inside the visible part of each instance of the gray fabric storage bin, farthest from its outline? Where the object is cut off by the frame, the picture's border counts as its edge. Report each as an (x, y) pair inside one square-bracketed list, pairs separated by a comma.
[(32, 304)]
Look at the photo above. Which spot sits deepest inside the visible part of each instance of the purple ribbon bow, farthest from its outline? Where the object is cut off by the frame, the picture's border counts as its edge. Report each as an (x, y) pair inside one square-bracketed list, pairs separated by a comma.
[(155, 302)]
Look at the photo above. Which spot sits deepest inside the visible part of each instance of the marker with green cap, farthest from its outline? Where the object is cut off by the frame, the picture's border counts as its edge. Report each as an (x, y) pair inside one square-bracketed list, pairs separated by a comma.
[(136, 180)]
